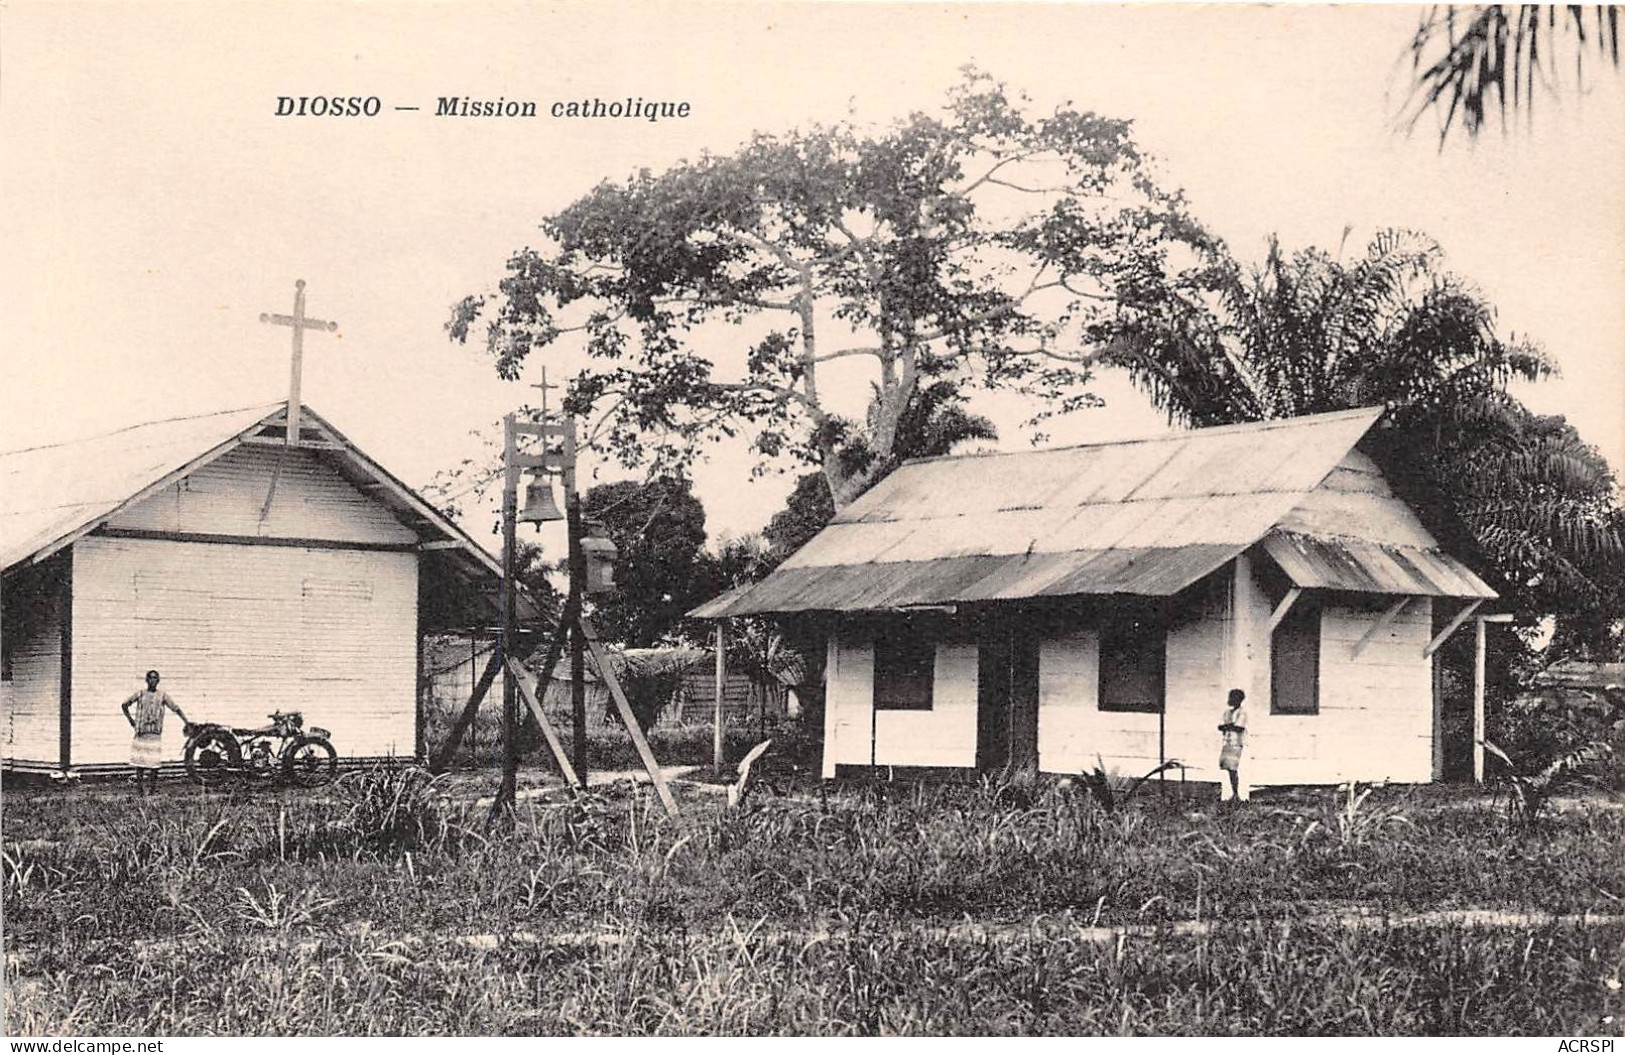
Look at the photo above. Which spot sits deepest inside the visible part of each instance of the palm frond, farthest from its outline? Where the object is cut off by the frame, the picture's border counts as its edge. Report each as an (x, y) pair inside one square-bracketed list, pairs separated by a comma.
[(1474, 61)]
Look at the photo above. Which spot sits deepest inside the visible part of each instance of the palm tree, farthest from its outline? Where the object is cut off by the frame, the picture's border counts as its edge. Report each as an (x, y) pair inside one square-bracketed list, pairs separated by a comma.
[(1466, 59), (1309, 332)]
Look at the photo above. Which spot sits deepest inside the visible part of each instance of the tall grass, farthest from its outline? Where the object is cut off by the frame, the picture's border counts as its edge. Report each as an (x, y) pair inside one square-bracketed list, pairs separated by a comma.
[(192, 894), (1245, 979)]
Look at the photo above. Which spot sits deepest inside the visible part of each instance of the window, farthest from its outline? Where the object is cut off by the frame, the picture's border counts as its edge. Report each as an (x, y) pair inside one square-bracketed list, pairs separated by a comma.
[(1133, 661), (1295, 662), (905, 667)]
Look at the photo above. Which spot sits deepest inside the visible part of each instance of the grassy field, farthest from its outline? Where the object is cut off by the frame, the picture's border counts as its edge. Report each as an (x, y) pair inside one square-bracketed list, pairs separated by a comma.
[(386, 906)]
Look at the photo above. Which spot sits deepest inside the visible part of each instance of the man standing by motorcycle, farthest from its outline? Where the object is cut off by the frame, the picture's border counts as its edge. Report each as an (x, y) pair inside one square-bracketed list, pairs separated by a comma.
[(146, 749)]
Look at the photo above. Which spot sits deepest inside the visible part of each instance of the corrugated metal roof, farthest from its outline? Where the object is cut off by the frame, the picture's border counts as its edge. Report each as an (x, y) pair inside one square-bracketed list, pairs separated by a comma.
[(1145, 517), (50, 495), (1362, 566), (854, 587)]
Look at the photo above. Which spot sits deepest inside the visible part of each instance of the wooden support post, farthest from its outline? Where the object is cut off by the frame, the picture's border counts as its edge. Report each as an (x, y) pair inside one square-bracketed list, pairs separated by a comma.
[(1478, 701), (421, 711), (1241, 629), (1284, 607), (1436, 672), (510, 620), (473, 679), (578, 589), (832, 701), (716, 710), (1376, 629), (1450, 628), (517, 674), (628, 718), (64, 587), (442, 757)]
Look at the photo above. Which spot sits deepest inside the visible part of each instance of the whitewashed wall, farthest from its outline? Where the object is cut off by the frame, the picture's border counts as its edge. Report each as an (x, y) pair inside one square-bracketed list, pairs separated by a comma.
[(1201, 674), (1376, 712), (946, 734), (848, 702), (1074, 734), (1375, 720), (241, 631), (226, 496), (943, 736), (1071, 728), (32, 699)]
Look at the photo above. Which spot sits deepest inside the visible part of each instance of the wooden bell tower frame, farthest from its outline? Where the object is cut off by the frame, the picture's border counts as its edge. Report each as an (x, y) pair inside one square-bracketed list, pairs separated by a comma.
[(554, 452)]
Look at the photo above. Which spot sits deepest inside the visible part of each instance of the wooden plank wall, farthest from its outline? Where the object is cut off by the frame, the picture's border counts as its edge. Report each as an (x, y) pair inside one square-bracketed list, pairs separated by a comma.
[(736, 693), (1071, 729), (1075, 735), (848, 701), (942, 736), (1376, 712), (946, 734), (241, 631), (32, 698), (226, 497), (1375, 720)]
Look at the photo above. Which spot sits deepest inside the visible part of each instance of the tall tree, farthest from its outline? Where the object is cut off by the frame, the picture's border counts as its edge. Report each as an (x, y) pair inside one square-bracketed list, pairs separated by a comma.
[(1310, 332), (974, 244), (935, 421), (1476, 60)]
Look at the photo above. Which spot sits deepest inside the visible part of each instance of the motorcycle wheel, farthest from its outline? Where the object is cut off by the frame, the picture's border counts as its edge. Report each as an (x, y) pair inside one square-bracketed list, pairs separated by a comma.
[(310, 762), (212, 759)]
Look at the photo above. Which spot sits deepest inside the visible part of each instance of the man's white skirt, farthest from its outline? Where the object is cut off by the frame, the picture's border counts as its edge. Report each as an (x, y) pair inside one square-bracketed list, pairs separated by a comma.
[(147, 752)]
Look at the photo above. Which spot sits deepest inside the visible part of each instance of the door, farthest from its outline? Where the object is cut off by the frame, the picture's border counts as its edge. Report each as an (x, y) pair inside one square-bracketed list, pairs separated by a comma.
[(1006, 694)]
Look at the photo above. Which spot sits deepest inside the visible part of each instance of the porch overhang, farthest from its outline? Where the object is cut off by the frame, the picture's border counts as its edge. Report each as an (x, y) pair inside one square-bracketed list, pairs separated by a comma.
[(1145, 572), (1321, 562)]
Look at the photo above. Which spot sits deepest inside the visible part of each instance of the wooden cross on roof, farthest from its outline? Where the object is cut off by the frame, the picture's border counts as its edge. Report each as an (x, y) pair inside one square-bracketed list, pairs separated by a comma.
[(300, 322)]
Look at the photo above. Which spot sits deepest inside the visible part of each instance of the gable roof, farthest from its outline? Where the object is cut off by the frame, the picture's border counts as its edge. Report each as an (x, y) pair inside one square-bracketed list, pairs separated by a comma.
[(58, 493), (1144, 517)]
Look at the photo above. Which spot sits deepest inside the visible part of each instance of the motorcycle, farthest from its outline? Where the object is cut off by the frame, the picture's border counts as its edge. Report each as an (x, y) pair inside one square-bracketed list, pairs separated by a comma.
[(284, 749)]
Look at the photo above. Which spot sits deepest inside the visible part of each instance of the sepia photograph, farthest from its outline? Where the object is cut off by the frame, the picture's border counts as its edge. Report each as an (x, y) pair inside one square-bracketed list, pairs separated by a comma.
[(699, 518)]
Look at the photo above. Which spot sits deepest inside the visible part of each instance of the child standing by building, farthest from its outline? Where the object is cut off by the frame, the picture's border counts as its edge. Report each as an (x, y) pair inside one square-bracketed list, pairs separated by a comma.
[(1233, 725)]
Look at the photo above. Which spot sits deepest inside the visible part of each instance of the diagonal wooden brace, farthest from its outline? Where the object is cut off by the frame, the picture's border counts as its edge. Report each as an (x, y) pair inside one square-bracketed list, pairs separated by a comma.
[(1450, 628), (1284, 607), (521, 678), (1375, 630), (442, 758), (628, 719)]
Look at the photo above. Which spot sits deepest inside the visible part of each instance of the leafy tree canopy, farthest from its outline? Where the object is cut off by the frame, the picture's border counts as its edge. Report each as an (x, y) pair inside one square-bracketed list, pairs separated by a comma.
[(983, 244), (659, 532)]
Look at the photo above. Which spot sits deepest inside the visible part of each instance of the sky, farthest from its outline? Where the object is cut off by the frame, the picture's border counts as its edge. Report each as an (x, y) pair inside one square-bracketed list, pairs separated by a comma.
[(152, 204)]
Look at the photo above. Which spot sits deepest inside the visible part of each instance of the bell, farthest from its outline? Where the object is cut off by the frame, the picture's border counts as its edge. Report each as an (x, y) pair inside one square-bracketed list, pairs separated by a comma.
[(539, 504)]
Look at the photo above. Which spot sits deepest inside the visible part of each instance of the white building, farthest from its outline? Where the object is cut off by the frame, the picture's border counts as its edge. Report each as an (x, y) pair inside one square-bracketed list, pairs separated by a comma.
[(256, 576), (1098, 602)]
